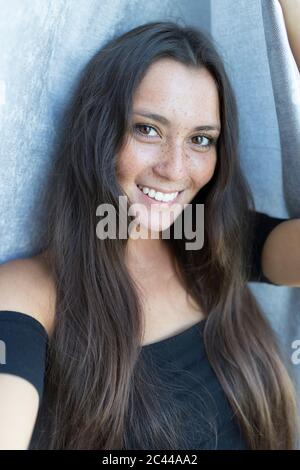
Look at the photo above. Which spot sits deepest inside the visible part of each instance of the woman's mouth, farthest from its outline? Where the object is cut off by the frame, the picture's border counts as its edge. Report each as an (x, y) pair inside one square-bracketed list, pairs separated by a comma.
[(151, 196)]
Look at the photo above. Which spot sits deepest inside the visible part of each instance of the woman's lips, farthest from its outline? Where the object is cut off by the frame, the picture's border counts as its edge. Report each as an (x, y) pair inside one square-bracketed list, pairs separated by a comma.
[(149, 200)]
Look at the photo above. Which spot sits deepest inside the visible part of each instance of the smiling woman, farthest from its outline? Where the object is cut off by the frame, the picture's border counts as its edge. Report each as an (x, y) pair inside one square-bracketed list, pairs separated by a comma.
[(151, 346)]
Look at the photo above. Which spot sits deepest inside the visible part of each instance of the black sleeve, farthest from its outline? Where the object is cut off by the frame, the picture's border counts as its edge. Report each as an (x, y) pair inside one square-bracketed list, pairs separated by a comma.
[(262, 224), (23, 346)]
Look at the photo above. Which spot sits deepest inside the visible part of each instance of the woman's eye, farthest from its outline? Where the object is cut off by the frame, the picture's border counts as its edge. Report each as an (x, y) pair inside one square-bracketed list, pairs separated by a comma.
[(209, 141), (142, 130)]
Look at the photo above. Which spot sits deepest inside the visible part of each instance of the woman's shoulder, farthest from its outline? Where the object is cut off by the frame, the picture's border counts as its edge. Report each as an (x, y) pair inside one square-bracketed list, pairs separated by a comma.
[(27, 286)]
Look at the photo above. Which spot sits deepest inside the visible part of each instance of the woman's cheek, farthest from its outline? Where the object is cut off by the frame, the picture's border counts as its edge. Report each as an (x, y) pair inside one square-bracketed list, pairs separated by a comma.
[(204, 168), (130, 162)]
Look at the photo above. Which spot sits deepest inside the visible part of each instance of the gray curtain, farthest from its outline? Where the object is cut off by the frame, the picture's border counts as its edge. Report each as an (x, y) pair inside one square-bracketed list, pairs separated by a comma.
[(45, 44), (253, 41)]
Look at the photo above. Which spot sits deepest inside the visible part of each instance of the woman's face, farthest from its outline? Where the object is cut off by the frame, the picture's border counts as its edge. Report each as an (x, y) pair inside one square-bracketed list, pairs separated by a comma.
[(164, 151)]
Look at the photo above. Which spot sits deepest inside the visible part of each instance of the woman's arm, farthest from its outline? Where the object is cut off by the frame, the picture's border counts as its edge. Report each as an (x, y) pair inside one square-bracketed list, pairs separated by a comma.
[(280, 258), (23, 288), (291, 14)]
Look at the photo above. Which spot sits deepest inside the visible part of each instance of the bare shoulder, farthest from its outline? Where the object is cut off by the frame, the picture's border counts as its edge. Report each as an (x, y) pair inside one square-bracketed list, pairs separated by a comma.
[(27, 286)]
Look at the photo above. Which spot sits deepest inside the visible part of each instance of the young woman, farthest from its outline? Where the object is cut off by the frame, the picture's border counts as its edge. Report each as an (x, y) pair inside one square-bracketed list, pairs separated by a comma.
[(149, 345)]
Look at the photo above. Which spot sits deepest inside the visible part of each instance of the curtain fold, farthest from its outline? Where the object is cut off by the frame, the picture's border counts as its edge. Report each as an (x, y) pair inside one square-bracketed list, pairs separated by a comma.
[(253, 41)]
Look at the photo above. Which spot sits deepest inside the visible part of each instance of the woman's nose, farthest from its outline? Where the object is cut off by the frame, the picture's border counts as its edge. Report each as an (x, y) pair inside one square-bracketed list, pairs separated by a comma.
[(172, 163)]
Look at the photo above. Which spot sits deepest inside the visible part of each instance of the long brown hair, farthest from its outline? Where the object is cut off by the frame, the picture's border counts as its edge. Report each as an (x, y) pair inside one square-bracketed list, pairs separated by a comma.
[(97, 388)]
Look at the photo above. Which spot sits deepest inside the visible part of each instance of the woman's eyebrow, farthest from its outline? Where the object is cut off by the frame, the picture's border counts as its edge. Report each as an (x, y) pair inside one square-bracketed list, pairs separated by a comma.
[(165, 121)]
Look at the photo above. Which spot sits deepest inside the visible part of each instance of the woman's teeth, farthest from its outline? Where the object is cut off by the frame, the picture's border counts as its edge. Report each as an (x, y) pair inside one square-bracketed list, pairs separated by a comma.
[(157, 195)]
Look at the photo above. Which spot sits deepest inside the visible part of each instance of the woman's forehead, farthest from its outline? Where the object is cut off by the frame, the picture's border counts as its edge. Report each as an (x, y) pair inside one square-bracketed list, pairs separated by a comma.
[(177, 92)]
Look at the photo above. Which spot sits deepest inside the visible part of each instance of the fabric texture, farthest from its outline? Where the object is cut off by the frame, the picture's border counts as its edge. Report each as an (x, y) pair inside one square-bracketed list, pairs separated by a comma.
[(190, 385)]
